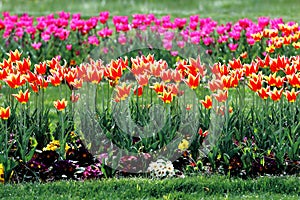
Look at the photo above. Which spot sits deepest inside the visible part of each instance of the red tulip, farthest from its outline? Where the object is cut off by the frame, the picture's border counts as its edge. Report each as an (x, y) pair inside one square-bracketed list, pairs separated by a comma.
[(221, 96), (255, 82), (14, 56), (60, 105), (291, 96), (4, 113), (123, 91), (264, 92), (193, 81), (40, 68), (207, 103), (158, 88), (15, 80), (275, 94), (166, 96), (22, 97)]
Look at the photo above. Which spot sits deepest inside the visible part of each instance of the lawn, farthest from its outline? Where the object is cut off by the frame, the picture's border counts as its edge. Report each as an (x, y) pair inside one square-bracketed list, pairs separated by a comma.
[(198, 187)]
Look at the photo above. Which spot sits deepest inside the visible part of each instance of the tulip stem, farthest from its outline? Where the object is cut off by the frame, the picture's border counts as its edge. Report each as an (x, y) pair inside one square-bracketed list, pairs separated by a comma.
[(62, 138)]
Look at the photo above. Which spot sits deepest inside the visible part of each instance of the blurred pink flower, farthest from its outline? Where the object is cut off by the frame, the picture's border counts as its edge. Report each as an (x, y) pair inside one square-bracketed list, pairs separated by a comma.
[(180, 44), (232, 46), (36, 46), (69, 47), (122, 39), (105, 32), (93, 40), (174, 53)]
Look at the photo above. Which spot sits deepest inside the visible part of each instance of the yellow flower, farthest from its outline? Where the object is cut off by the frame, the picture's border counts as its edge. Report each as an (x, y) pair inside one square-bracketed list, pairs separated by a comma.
[(1, 173), (183, 145), (54, 145)]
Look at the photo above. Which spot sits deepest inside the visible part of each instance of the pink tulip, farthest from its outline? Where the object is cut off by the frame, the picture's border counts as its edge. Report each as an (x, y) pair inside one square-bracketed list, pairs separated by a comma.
[(69, 47), (122, 39), (36, 46), (232, 46)]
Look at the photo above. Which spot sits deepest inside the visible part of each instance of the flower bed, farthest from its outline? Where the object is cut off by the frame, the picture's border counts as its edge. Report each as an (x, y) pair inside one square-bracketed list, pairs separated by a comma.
[(212, 98)]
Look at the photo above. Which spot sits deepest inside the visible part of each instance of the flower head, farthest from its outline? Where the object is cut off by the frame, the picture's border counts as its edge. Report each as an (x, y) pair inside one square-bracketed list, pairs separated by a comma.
[(183, 145), (4, 113), (60, 105), (22, 97)]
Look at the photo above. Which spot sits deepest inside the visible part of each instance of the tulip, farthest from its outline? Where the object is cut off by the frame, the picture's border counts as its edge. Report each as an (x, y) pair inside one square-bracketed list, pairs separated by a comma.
[(275, 94), (166, 96), (221, 96), (291, 95), (207, 103), (60, 105), (22, 97), (4, 113)]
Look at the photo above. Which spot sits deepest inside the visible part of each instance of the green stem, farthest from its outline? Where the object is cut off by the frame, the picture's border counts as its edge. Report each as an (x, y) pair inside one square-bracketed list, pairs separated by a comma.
[(62, 138)]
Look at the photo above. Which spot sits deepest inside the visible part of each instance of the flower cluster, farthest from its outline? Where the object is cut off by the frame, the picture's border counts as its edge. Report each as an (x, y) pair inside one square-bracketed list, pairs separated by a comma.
[(161, 169)]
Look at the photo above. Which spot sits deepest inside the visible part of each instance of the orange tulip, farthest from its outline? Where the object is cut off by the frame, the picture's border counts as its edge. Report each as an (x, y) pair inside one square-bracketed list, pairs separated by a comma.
[(290, 69), (3, 74), (4, 113), (77, 83), (55, 80), (60, 105), (166, 96), (166, 75), (24, 66), (138, 91), (15, 80), (207, 103), (222, 69), (193, 81), (291, 95), (34, 87), (215, 85), (275, 81), (95, 76), (221, 96), (41, 82), (31, 77), (244, 55), (250, 69), (257, 36), (255, 82), (196, 63), (235, 64), (113, 72), (123, 91), (138, 69), (264, 92), (296, 45), (70, 77), (201, 133), (22, 97), (53, 64), (270, 49), (226, 81), (177, 76), (294, 80), (41, 68), (275, 94), (6, 64), (142, 79), (158, 88), (14, 56)]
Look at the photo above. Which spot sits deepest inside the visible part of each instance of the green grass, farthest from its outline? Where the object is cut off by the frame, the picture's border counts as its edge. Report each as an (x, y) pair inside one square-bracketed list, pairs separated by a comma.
[(207, 187), (221, 10)]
